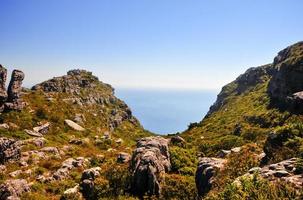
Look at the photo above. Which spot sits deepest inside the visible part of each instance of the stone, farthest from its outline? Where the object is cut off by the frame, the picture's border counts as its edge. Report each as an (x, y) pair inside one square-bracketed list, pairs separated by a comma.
[(4, 126), (79, 118), (91, 173), (223, 153), (177, 140), (87, 188), (119, 141), (106, 136), (16, 173), (123, 157), (3, 93), (10, 150), (14, 101), (13, 189), (43, 129), (150, 160), (33, 133), (73, 125), (207, 168), (76, 141)]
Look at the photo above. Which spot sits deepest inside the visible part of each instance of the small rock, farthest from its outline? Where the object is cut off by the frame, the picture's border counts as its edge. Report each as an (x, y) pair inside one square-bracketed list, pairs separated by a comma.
[(4, 126), (33, 133), (123, 157), (43, 129), (73, 125), (119, 141), (15, 173), (281, 173)]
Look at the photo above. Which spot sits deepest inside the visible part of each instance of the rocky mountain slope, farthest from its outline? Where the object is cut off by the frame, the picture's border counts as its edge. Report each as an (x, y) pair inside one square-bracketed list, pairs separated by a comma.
[(54, 132), (254, 125)]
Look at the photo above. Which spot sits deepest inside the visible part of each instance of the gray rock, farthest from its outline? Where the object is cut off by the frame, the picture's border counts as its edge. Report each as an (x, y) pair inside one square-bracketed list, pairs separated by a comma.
[(33, 133), (43, 129), (14, 101), (9, 150), (3, 93), (150, 159), (205, 173), (73, 125), (13, 189), (123, 157)]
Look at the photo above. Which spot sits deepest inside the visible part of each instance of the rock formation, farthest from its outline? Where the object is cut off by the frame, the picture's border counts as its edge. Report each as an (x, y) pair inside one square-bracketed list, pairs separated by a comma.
[(3, 92), (149, 163), (9, 150), (13, 189), (87, 181), (244, 82), (207, 168), (283, 171), (286, 84), (14, 101)]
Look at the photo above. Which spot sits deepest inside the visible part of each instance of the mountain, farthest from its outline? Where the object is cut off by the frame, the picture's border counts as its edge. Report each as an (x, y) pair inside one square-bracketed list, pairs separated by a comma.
[(65, 125), (261, 114)]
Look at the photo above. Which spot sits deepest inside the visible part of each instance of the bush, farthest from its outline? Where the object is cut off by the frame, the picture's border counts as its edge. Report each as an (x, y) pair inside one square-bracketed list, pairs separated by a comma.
[(256, 189), (179, 187), (183, 161)]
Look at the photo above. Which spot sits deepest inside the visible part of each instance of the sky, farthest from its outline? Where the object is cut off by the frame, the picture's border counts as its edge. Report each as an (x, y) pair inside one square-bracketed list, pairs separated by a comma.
[(165, 44)]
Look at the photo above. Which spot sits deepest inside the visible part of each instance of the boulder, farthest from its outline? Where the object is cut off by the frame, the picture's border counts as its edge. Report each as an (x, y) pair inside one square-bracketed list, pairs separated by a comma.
[(177, 140), (87, 181), (9, 150), (207, 169), (3, 93), (73, 125), (123, 157), (150, 161), (14, 101), (43, 129), (13, 189)]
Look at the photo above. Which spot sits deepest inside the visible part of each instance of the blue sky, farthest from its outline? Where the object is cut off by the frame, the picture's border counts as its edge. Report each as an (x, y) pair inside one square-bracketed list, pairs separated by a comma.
[(187, 44)]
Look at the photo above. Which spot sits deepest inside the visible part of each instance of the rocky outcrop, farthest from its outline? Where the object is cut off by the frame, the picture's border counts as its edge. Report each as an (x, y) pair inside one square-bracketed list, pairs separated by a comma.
[(3, 92), (14, 101), (87, 181), (283, 171), (286, 85), (10, 99), (207, 168), (123, 157), (150, 161), (13, 189), (9, 150), (244, 82)]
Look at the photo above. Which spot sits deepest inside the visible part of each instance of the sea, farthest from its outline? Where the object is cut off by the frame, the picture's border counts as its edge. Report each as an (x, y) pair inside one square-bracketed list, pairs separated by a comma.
[(167, 111)]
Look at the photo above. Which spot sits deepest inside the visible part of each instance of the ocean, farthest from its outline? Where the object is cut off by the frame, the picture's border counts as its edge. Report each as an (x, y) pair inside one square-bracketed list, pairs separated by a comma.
[(167, 111)]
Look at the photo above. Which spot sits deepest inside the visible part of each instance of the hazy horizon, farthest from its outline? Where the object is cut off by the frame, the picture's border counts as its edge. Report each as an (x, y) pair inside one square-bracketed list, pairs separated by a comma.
[(146, 44)]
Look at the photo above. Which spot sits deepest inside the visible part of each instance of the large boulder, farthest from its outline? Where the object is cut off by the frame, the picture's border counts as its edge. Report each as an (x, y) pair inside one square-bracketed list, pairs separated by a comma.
[(73, 125), (207, 169), (9, 150), (149, 163), (287, 82), (3, 93), (14, 101), (13, 189), (87, 181)]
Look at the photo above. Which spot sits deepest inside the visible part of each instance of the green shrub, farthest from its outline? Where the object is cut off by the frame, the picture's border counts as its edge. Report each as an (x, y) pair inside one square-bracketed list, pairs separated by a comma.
[(183, 161), (179, 187)]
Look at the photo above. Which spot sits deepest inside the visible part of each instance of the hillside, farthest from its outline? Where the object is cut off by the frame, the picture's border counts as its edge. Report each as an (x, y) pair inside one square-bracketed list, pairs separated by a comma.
[(73, 120), (261, 114)]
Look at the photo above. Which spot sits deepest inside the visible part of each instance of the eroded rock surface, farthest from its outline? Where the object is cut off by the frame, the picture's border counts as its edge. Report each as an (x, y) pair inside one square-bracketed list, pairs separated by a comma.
[(3, 92), (14, 101), (13, 189), (149, 163), (9, 150), (207, 168), (286, 84)]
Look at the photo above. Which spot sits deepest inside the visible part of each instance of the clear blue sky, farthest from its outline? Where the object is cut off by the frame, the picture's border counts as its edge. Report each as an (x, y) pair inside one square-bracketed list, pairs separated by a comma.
[(146, 43)]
